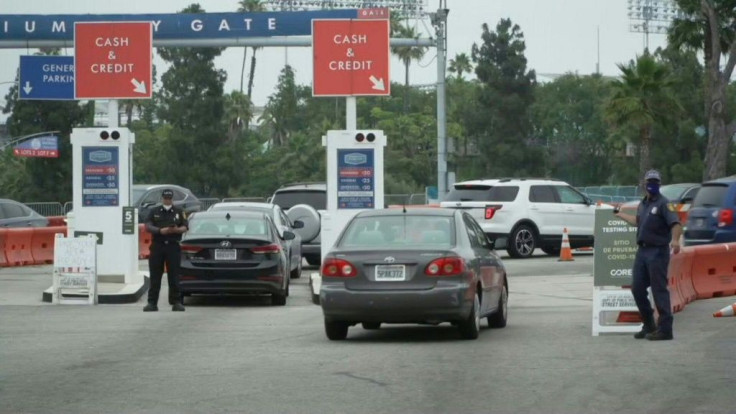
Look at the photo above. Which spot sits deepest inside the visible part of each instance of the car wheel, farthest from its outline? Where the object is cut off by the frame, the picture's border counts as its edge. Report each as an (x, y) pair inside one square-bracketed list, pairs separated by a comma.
[(470, 328), (522, 242), (551, 250), (279, 299), (314, 260), (336, 331), (297, 273), (371, 325), (499, 318)]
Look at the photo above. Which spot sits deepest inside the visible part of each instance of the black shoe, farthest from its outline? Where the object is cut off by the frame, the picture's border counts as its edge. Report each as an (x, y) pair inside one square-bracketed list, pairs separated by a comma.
[(660, 336), (645, 330), (150, 307), (178, 307)]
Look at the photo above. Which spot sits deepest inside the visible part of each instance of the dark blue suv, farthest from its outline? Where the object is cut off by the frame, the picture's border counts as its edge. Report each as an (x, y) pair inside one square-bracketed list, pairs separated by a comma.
[(711, 218)]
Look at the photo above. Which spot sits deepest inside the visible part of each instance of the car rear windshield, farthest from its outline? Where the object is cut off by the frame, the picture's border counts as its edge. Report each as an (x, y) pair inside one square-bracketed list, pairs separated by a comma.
[(711, 195), (404, 231), (288, 199), (483, 193), (220, 226)]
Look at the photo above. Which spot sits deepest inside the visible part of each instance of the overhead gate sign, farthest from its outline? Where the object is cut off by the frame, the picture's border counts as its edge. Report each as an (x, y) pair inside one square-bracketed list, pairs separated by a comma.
[(351, 57), (113, 60)]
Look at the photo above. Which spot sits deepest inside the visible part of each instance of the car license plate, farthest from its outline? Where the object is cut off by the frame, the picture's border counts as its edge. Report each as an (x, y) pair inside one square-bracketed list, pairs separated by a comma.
[(226, 254), (390, 273)]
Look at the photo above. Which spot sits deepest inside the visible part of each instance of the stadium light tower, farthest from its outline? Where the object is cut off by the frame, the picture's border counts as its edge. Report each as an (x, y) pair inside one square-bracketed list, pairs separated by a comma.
[(652, 16), (403, 8)]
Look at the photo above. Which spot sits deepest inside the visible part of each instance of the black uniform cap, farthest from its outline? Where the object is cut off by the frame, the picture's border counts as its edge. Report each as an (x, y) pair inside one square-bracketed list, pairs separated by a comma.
[(167, 193)]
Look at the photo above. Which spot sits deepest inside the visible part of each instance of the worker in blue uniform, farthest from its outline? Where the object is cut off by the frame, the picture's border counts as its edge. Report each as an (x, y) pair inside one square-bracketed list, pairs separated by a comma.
[(658, 232)]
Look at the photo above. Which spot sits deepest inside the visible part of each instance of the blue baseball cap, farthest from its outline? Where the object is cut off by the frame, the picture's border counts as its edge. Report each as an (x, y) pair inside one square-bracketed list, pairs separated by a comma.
[(652, 175)]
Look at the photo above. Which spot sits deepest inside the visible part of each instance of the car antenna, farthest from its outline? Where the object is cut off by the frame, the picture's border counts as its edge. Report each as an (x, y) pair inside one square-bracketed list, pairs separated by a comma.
[(403, 206), (227, 216)]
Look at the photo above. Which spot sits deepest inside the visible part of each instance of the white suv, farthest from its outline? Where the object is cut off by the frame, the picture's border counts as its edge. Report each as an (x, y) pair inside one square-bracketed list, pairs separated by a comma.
[(525, 214)]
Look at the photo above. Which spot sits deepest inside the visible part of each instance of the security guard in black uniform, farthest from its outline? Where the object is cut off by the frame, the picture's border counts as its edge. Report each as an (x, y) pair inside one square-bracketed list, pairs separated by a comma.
[(166, 223), (658, 230)]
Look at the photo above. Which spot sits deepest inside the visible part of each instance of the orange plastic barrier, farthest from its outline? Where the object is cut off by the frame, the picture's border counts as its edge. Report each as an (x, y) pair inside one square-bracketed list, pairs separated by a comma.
[(18, 246), (714, 270), (3, 237), (675, 268), (55, 221), (144, 242), (684, 276), (42, 243)]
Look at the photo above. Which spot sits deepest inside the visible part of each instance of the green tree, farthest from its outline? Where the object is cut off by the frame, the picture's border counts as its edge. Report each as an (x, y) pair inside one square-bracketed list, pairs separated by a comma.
[(641, 99), (249, 6), (40, 179), (237, 113), (407, 54), (568, 116), (500, 123), (460, 64), (710, 26), (192, 102), (280, 113)]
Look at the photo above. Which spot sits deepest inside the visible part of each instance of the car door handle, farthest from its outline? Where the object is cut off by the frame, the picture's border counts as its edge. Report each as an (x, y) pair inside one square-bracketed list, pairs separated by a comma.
[(569, 209)]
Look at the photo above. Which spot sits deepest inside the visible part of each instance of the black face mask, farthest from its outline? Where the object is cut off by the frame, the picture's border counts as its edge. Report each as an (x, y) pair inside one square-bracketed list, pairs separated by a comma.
[(653, 188)]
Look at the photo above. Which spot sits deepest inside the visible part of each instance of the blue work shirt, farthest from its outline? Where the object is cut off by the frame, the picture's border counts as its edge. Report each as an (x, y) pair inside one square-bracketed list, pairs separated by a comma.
[(654, 220)]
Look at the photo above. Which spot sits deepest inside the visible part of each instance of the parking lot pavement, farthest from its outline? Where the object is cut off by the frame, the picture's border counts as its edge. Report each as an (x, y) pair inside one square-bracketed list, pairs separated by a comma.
[(241, 355)]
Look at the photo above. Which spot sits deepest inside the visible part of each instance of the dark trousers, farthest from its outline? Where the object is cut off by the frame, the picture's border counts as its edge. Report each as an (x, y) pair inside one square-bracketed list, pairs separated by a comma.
[(171, 255), (650, 269)]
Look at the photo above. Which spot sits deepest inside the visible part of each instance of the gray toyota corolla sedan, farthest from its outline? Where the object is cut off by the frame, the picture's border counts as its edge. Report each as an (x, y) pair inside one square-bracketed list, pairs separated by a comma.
[(413, 266)]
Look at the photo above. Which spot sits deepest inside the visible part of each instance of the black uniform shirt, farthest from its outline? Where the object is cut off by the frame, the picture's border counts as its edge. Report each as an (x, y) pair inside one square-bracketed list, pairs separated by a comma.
[(159, 218), (654, 221)]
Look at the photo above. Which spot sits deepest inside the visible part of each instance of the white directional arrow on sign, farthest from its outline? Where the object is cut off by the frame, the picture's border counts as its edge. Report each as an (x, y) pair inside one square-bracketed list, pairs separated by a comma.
[(140, 87), (378, 84), (27, 88)]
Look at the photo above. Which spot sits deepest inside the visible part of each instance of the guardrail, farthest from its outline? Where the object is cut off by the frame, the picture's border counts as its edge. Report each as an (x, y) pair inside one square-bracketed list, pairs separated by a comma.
[(47, 209)]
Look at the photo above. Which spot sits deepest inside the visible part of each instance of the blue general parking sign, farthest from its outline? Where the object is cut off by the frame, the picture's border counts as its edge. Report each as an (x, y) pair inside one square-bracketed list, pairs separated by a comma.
[(46, 78)]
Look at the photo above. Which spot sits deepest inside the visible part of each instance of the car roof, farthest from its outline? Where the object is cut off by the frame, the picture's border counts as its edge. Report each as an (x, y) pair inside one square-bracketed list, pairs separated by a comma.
[(154, 186), (242, 204), (232, 213), (511, 180), (723, 180), (318, 186), (445, 212)]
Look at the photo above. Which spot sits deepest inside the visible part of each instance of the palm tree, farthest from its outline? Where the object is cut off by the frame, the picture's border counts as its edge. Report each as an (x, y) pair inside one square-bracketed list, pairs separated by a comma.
[(696, 32), (407, 54), (237, 113), (460, 65), (249, 6), (641, 99)]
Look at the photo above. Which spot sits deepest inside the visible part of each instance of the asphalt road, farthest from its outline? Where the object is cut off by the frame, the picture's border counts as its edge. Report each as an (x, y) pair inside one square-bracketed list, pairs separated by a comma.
[(240, 354)]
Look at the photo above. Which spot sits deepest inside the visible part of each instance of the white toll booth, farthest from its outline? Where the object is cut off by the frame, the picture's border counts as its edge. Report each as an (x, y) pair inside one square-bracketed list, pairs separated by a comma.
[(354, 182), (102, 178)]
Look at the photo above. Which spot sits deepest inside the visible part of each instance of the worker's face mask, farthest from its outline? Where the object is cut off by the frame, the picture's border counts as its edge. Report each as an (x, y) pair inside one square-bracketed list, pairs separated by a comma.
[(653, 187), (167, 207)]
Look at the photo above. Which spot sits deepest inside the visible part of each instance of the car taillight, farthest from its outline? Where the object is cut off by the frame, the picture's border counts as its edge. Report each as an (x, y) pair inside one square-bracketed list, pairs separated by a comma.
[(190, 250), (491, 211), (269, 248), (445, 266), (338, 268), (725, 217)]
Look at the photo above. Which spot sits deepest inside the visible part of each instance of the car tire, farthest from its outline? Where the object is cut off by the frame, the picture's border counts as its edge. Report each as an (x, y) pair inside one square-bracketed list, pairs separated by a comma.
[(279, 299), (500, 317), (551, 250), (311, 219), (315, 297), (371, 325), (336, 331), (297, 273), (470, 327), (313, 260), (522, 242)]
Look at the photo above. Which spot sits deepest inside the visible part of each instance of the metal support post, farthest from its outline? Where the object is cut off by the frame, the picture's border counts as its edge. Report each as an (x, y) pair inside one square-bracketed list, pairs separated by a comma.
[(351, 113), (439, 20)]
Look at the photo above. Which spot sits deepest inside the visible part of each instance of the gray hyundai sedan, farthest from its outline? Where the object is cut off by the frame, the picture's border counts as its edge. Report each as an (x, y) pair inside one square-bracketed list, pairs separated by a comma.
[(424, 266)]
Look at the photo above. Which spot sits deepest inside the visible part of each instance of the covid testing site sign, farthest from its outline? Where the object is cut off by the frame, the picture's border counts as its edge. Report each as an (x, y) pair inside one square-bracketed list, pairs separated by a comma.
[(615, 249)]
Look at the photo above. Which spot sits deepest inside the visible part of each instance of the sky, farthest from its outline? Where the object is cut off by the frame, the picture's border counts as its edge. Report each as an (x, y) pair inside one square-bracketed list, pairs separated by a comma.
[(561, 36)]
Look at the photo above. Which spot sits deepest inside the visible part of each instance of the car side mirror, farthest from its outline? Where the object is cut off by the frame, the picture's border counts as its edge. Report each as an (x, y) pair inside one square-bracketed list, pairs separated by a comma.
[(298, 224), (288, 235), (491, 243), (588, 201)]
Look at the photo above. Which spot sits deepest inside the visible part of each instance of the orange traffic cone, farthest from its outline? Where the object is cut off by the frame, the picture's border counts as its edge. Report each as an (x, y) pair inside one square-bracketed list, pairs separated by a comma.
[(729, 310), (565, 251)]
